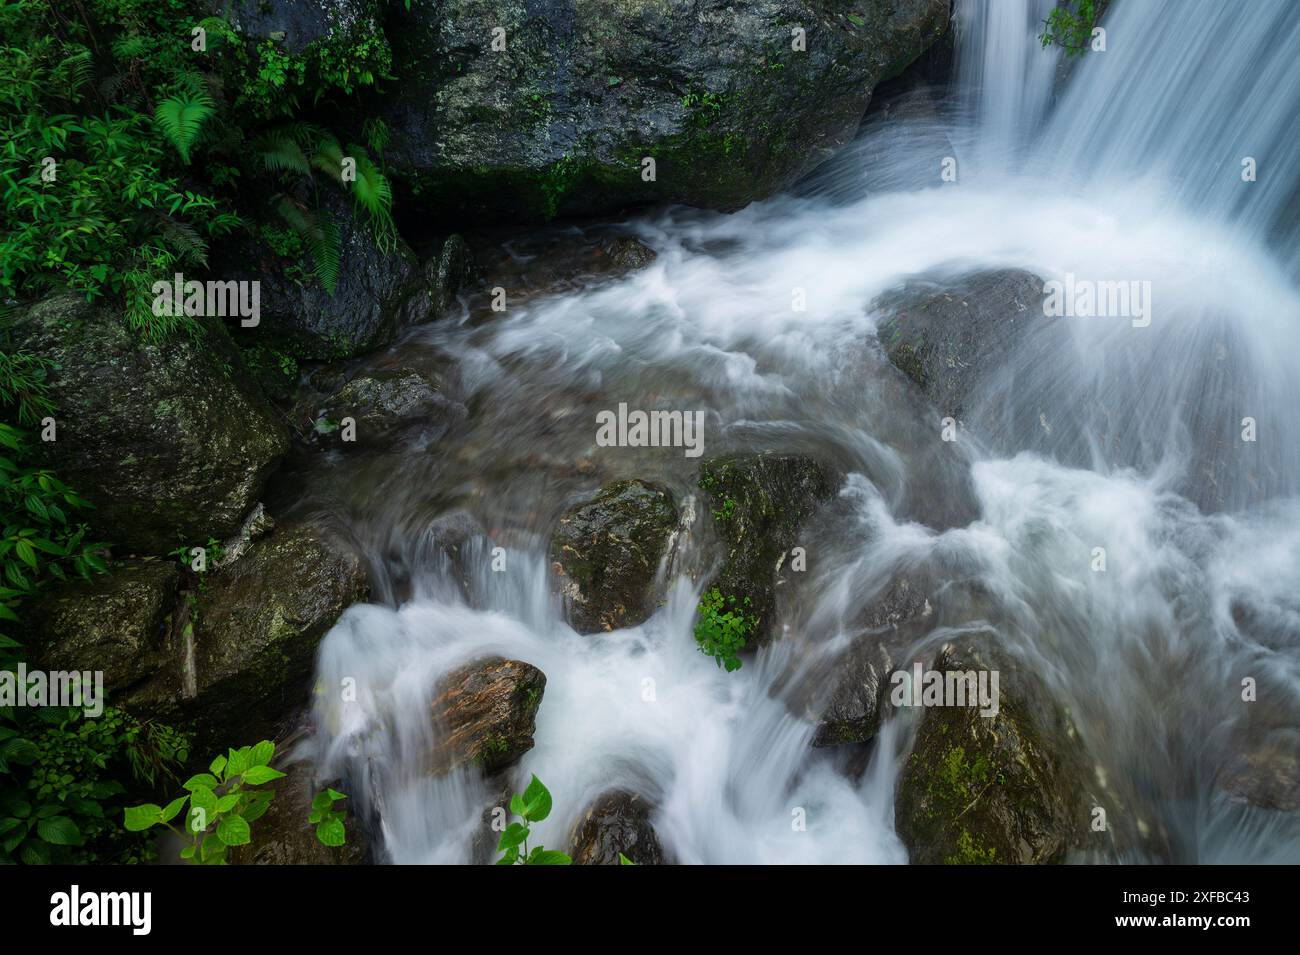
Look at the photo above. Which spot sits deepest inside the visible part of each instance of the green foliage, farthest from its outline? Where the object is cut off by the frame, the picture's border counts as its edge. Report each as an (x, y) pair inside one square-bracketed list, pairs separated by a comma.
[(1070, 26), (722, 628), (531, 806), (182, 116), (328, 820), (60, 782), (224, 802)]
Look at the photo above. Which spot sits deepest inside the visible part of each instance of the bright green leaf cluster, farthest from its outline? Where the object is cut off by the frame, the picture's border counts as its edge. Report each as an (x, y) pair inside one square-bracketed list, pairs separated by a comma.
[(328, 820), (722, 628), (532, 805)]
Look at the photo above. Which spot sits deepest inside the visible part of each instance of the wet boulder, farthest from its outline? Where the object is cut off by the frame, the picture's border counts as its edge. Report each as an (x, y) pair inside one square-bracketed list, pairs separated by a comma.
[(171, 442), (1267, 774), (550, 108), (606, 554), (759, 503), (616, 823), (626, 254), (383, 403), (116, 623), (950, 337), (379, 290), (1010, 788), (892, 626), (485, 714), (254, 632), (296, 26)]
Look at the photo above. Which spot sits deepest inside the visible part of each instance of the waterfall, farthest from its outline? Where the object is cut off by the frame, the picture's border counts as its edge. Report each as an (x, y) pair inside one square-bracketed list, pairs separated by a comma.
[(1121, 165)]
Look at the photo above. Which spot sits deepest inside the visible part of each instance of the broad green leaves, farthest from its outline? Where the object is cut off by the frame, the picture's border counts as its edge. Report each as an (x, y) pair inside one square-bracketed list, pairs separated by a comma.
[(223, 803), (532, 805)]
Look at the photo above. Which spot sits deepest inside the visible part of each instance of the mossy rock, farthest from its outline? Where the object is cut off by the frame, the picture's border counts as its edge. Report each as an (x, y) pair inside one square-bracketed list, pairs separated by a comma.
[(171, 442), (759, 503), (607, 553), (1007, 789), (484, 714), (559, 121)]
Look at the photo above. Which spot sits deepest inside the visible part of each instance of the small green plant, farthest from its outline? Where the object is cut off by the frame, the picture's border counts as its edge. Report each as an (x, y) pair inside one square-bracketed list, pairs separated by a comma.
[(722, 628), (1070, 26), (222, 804), (532, 805), (328, 820)]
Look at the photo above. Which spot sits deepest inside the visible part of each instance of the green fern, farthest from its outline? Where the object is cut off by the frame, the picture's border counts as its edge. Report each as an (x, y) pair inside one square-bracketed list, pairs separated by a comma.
[(181, 117), (320, 237), (371, 191)]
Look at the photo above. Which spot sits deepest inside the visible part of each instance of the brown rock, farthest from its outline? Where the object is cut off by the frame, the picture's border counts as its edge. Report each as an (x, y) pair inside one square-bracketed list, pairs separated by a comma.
[(485, 713)]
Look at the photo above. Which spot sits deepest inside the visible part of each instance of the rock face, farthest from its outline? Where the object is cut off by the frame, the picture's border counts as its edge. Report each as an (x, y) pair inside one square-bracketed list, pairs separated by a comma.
[(759, 503), (297, 25), (946, 338), (617, 822), (485, 714), (608, 552), (258, 624), (893, 625), (378, 293), (560, 120), (170, 442), (115, 622), (1003, 789), (283, 836)]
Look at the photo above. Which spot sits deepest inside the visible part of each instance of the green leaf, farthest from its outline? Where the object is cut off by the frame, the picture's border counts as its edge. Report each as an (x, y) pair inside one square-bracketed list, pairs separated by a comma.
[(59, 831), (218, 765), (172, 808), (140, 818), (537, 801), (262, 753), (256, 775), (515, 834), (201, 781), (549, 857), (517, 804), (331, 832), (233, 831), (624, 860)]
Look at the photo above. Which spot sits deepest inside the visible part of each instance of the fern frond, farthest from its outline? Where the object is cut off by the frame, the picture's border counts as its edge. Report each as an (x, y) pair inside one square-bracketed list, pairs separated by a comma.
[(373, 194), (182, 115), (281, 152), (319, 235), (186, 241)]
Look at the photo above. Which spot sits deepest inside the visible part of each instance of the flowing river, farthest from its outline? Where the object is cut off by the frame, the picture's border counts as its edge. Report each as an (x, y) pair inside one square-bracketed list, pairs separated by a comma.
[(1126, 164)]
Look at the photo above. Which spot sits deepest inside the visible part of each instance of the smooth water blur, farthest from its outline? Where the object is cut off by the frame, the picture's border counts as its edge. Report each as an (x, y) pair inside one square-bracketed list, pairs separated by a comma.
[(1124, 165)]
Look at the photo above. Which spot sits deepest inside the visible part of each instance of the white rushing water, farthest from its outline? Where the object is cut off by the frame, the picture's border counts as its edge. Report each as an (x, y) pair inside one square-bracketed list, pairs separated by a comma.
[(1123, 165)]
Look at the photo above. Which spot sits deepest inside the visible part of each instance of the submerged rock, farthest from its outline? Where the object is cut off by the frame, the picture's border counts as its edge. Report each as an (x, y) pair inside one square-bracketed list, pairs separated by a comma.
[(170, 442), (627, 254), (617, 822), (1268, 775), (559, 116), (116, 623), (607, 553), (1009, 788), (760, 502), (383, 402), (485, 714), (949, 338)]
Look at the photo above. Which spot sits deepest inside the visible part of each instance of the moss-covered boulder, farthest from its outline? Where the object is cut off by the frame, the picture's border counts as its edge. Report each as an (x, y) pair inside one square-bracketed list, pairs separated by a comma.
[(245, 655), (606, 554), (759, 503), (379, 290), (116, 623), (295, 26), (485, 714), (618, 822), (170, 442), (551, 106), (1008, 788)]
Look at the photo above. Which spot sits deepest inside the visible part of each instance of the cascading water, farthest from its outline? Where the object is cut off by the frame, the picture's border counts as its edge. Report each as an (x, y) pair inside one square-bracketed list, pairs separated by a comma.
[(1121, 165)]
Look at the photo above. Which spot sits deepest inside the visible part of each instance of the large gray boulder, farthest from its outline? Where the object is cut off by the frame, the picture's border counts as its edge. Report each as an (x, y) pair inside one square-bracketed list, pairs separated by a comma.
[(171, 442), (559, 121)]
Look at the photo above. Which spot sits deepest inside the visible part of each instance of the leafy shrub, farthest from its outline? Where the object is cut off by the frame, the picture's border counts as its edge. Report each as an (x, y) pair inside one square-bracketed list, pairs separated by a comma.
[(722, 629), (1070, 26)]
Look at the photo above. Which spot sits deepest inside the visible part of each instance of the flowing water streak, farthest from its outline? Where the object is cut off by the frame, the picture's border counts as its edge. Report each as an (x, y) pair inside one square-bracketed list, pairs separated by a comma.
[(1122, 165)]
